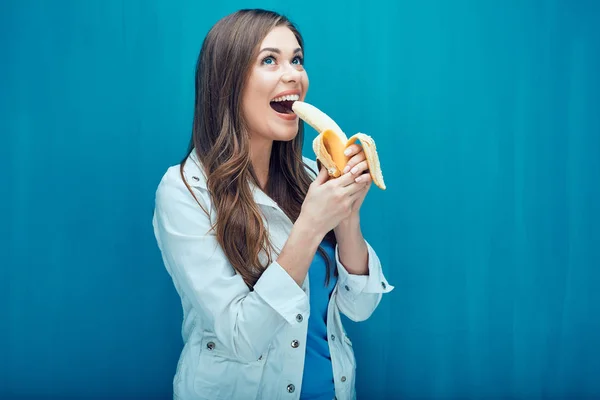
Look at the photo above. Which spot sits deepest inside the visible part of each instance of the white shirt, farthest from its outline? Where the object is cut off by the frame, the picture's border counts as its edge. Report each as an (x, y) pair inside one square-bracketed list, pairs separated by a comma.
[(242, 344)]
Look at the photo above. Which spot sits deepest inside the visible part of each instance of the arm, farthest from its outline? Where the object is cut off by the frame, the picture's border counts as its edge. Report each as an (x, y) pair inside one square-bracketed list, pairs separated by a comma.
[(299, 250), (244, 321), (361, 280), (353, 252)]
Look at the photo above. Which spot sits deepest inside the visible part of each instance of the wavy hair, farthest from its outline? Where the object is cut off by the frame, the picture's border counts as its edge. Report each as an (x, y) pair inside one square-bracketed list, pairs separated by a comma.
[(222, 143)]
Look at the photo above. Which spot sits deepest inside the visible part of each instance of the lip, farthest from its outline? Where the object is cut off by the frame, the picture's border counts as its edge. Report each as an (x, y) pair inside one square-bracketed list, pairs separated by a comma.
[(287, 117)]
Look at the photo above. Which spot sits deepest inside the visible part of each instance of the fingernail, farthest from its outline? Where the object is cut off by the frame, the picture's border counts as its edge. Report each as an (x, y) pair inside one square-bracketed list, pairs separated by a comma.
[(347, 152), (354, 170), (358, 179), (346, 169)]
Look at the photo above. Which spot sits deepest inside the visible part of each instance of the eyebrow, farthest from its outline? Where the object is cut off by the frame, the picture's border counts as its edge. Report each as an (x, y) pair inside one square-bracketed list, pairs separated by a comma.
[(275, 50)]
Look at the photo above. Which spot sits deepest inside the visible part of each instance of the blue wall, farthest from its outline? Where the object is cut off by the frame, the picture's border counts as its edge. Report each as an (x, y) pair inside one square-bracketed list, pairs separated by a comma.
[(487, 119)]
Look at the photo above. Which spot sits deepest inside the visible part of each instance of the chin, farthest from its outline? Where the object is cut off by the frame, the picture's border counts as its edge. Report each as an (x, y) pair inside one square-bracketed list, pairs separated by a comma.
[(284, 138), (285, 134)]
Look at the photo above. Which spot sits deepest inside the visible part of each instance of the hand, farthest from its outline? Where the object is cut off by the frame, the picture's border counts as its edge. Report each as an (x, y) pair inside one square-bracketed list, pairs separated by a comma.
[(357, 165), (329, 201)]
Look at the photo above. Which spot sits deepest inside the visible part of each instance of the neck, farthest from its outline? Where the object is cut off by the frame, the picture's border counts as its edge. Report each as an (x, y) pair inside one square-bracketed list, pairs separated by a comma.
[(260, 156)]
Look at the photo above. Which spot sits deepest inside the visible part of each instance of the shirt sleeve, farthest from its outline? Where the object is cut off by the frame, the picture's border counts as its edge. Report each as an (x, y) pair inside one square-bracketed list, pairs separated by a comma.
[(359, 295), (244, 321)]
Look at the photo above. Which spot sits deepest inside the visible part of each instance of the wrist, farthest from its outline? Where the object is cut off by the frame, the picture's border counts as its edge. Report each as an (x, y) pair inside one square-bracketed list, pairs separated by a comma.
[(299, 249), (353, 252), (348, 231), (350, 223), (309, 231)]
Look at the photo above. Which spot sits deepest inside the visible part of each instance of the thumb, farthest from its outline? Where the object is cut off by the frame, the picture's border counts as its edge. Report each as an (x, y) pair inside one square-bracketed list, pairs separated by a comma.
[(322, 177)]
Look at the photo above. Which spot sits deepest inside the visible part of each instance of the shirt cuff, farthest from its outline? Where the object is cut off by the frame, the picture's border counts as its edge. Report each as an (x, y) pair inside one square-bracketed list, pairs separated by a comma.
[(281, 292), (374, 282)]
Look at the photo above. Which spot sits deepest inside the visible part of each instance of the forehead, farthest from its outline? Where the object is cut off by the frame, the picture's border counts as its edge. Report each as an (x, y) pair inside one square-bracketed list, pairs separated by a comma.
[(282, 38)]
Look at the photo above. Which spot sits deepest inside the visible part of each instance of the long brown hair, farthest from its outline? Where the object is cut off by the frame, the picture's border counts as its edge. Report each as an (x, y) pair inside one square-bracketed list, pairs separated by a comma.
[(221, 142)]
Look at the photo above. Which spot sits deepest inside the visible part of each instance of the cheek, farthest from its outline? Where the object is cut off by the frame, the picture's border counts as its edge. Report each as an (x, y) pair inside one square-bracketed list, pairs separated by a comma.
[(263, 82), (252, 98), (258, 92)]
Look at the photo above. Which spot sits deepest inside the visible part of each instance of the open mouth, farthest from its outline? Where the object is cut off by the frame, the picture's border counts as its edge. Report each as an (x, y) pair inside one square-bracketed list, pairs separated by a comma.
[(283, 104), (283, 107)]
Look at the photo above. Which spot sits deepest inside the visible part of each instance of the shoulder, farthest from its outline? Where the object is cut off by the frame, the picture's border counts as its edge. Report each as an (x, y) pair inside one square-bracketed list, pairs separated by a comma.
[(179, 187), (170, 184), (181, 208)]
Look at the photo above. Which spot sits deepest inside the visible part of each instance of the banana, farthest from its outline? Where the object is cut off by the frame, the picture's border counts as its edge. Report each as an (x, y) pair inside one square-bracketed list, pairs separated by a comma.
[(331, 142)]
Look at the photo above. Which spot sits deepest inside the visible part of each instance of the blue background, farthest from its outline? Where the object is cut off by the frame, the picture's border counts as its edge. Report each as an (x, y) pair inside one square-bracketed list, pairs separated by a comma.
[(487, 120)]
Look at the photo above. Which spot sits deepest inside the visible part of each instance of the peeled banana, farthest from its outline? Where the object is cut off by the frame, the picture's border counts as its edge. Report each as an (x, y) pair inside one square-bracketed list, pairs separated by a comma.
[(331, 142)]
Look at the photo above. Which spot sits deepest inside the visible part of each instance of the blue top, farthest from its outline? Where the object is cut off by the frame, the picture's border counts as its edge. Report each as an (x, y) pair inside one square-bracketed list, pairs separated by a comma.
[(317, 383)]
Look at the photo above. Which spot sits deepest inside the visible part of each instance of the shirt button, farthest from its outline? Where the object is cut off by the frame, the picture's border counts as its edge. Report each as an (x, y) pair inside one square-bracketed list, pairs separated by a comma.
[(291, 388), (332, 337), (346, 287), (210, 345), (295, 344), (383, 285), (299, 318), (195, 178), (343, 379)]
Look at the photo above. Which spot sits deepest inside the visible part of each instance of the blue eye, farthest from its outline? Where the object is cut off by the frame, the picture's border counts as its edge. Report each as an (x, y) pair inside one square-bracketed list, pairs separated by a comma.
[(269, 60), (298, 60)]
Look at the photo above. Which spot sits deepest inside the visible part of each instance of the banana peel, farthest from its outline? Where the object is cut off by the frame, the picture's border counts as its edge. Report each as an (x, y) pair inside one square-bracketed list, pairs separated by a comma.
[(331, 142)]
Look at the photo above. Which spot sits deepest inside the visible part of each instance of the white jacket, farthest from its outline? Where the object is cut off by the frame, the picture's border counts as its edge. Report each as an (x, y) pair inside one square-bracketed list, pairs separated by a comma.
[(242, 344)]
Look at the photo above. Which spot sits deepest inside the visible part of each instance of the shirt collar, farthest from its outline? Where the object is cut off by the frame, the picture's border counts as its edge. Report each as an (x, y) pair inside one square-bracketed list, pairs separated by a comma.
[(195, 176)]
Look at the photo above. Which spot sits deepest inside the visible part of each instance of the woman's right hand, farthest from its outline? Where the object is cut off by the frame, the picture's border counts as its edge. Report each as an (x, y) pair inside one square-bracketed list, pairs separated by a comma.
[(329, 201)]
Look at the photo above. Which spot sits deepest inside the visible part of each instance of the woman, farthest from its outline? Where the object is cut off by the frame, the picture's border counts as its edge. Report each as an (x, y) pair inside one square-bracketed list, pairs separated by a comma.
[(244, 225)]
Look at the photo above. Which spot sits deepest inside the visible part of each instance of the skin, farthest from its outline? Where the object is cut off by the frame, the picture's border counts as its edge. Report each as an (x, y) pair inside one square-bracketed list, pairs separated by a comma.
[(273, 72), (329, 203)]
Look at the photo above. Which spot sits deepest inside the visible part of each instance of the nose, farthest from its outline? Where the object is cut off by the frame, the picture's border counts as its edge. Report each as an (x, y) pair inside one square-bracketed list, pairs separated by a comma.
[(291, 73)]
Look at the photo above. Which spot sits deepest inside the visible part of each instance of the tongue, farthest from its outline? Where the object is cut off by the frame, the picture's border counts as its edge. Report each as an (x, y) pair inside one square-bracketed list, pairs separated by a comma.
[(284, 107)]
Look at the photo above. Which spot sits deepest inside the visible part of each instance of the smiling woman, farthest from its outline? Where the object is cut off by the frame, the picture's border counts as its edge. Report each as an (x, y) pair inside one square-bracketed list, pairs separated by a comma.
[(244, 223), (277, 78)]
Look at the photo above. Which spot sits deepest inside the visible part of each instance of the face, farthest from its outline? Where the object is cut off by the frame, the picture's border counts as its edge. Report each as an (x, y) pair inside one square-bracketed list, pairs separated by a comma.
[(276, 79)]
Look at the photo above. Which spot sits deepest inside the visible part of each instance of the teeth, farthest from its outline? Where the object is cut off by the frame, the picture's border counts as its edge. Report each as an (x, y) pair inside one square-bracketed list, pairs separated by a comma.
[(291, 97)]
